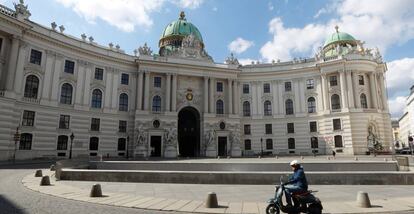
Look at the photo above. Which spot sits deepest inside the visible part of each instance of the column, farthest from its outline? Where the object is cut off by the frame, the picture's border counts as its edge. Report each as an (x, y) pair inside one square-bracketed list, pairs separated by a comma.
[(168, 93), (236, 100), (259, 103), (19, 76), (56, 76), (12, 62), (355, 85), (297, 96), (205, 94), (384, 91), (230, 98), (303, 102), (373, 91), (342, 81), (275, 103), (47, 83), (351, 98), (211, 96), (146, 91), (140, 85), (254, 98), (80, 78), (174, 93), (108, 87), (115, 85), (87, 85), (325, 92), (318, 84), (280, 100)]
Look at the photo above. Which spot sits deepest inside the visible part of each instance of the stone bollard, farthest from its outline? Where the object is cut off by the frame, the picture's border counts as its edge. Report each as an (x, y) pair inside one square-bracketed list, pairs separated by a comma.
[(277, 157), (385, 159), (301, 157), (45, 181), (218, 157), (356, 158), (52, 167), (363, 200), (38, 173), (328, 158), (211, 201), (96, 191)]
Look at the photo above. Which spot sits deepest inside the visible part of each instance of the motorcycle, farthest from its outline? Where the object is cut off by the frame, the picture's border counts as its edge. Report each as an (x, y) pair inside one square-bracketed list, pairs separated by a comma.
[(303, 202)]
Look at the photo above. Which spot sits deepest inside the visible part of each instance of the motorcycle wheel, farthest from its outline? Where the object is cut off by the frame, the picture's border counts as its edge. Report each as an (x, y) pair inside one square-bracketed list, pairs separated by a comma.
[(272, 209), (314, 209)]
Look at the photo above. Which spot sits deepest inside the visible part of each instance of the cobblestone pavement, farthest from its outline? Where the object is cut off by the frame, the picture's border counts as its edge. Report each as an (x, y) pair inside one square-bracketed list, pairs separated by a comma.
[(16, 199)]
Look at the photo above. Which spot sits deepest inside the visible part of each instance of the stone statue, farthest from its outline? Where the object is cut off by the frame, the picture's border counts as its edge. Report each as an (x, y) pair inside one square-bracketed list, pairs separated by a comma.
[(235, 138), (170, 137), (210, 137), (231, 60), (140, 136), (377, 55), (145, 50), (21, 10)]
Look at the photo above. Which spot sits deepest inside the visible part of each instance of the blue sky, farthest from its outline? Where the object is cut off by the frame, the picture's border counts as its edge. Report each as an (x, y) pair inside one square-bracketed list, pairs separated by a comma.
[(255, 30)]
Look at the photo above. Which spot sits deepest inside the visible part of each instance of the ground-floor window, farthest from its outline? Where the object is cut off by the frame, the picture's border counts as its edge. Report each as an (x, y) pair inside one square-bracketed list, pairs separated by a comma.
[(314, 143), (247, 145), (25, 141), (93, 143), (269, 144), (121, 144), (338, 141), (291, 143), (62, 143)]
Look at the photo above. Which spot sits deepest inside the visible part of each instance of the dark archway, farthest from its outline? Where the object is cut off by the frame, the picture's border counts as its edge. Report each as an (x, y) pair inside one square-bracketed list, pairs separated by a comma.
[(189, 132)]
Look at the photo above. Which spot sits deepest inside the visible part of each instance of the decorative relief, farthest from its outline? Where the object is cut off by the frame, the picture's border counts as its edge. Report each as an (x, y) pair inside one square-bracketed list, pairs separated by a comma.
[(140, 135), (170, 137), (184, 101)]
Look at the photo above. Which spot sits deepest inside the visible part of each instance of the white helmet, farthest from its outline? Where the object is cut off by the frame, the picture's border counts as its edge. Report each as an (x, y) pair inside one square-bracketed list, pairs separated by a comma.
[(294, 163)]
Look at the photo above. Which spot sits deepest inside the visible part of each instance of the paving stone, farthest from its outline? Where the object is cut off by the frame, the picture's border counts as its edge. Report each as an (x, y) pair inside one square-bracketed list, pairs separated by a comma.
[(137, 202), (128, 200), (249, 208), (163, 204), (177, 205), (190, 207), (221, 209), (234, 207)]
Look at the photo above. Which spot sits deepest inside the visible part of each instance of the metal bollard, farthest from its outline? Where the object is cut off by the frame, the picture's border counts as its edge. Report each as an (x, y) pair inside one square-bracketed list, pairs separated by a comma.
[(363, 200), (38, 173), (211, 201), (96, 191), (45, 181)]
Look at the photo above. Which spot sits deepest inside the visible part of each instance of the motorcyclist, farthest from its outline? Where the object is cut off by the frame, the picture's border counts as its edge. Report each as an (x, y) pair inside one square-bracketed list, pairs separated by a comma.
[(297, 182)]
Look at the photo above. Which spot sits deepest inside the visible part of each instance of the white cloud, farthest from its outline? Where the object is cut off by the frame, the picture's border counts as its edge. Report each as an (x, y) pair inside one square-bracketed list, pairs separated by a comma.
[(397, 106), (239, 45), (247, 61), (123, 14), (400, 75), (381, 23)]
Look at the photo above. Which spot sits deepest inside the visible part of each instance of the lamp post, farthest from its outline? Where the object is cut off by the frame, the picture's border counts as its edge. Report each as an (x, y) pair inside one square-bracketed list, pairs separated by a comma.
[(261, 146), (127, 144), (16, 140), (72, 136)]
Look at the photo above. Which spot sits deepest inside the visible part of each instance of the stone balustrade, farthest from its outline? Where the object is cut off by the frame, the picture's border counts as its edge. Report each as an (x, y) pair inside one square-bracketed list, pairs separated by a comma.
[(7, 11)]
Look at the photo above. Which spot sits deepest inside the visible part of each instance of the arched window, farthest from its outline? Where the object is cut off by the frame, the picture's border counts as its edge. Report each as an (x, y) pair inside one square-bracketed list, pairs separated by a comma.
[(156, 104), (123, 102), (31, 87), (363, 100), (314, 143), (338, 141), (246, 109), (62, 143), (247, 145), (121, 144), (96, 98), (93, 143), (25, 141), (267, 108), (291, 143), (311, 105), (289, 106), (66, 94), (219, 107), (336, 104)]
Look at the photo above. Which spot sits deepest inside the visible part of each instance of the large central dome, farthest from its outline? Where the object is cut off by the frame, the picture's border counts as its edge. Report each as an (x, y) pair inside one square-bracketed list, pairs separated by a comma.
[(174, 33)]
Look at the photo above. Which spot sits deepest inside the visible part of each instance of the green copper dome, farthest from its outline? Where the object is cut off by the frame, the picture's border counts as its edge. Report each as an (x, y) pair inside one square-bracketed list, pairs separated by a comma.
[(339, 37)]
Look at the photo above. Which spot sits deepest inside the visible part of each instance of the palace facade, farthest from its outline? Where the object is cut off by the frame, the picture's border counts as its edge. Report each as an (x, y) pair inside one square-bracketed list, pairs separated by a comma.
[(64, 95)]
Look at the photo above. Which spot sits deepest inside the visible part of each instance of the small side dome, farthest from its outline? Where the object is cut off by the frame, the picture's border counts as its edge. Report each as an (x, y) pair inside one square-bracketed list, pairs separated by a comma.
[(339, 37), (338, 43)]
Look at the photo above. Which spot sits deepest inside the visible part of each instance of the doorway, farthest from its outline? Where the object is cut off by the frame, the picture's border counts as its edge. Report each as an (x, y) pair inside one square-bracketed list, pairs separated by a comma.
[(189, 132), (222, 146), (155, 146)]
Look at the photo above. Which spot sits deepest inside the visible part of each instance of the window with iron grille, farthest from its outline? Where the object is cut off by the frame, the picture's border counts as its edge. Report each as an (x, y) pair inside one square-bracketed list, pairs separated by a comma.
[(124, 79), (268, 128), (335, 102), (66, 94), (266, 88), (311, 105), (246, 109), (333, 80), (64, 121), (290, 128), (28, 118), (123, 102), (291, 143), (336, 124), (246, 89), (96, 98), (99, 73), (156, 104), (289, 107), (267, 107), (361, 80), (219, 87), (157, 82), (25, 141), (310, 84), (219, 107), (269, 144), (69, 66), (31, 87), (247, 145), (95, 124), (313, 127), (93, 143), (314, 143), (288, 86), (363, 99), (121, 144), (35, 57), (122, 126), (247, 129), (62, 143), (338, 141)]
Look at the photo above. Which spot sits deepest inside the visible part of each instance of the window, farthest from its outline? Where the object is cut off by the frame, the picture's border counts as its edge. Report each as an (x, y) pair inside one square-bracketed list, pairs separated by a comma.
[(35, 57), (338, 141), (64, 121), (247, 129), (290, 127), (246, 89), (336, 124), (66, 94), (69, 66), (314, 143), (361, 79), (333, 81), (96, 98), (124, 79), (219, 87), (121, 144), (311, 105), (93, 143), (156, 104), (269, 144), (62, 143), (28, 118), (25, 141), (122, 126), (95, 123), (247, 145), (219, 107), (363, 99), (289, 107), (246, 109), (288, 86), (31, 87), (310, 84), (1, 44), (313, 126), (267, 108), (336, 104), (268, 128), (157, 82), (266, 88), (291, 143), (98, 73), (123, 102)]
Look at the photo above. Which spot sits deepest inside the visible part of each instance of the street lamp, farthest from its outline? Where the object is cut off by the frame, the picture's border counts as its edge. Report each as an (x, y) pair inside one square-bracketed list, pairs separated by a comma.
[(16, 140), (127, 154), (72, 136), (261, 146)]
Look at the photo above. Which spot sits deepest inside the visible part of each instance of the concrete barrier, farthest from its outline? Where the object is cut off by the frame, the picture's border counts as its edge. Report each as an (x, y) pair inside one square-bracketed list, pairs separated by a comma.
[(363, 200), (211, 201), (45, 181), (403, 163), (38, 173), (96, 191)]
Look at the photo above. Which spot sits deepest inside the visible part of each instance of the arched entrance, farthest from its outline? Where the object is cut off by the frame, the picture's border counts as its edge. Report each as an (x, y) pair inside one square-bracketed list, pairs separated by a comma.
[(189, 132)]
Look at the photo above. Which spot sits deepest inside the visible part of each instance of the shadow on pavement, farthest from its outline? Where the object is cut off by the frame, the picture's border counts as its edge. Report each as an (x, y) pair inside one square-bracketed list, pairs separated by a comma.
[(9, 207), (26, 165)]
